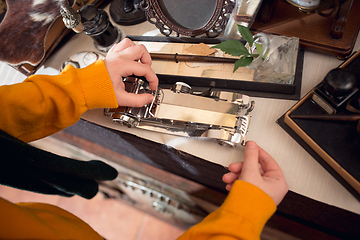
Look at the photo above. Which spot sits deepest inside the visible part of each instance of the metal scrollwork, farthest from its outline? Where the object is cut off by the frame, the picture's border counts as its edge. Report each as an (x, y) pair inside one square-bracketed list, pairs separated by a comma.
[(167, 27)]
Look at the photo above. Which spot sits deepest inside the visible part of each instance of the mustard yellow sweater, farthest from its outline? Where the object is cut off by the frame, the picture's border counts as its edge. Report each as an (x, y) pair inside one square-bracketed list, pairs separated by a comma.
[(43, 105)]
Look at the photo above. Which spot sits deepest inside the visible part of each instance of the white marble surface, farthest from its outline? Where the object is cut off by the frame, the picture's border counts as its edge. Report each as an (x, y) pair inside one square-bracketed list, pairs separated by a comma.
[(303, 173)]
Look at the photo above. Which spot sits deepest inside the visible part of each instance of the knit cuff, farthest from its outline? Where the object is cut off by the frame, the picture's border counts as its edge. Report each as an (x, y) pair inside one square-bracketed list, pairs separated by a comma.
[(255, 204), (96, 86)]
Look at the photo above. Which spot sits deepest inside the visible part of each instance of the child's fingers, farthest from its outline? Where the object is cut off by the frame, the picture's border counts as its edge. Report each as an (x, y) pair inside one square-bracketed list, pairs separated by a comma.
[(230, 177), (136, 53), (235, 167), (139, 69), (229, 186), (125, 43), (268, 164)]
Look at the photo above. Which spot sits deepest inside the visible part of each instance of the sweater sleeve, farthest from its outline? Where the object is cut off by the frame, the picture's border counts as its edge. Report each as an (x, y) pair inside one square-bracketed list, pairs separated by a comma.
[(242, 216), (41, 221), (43, 105)]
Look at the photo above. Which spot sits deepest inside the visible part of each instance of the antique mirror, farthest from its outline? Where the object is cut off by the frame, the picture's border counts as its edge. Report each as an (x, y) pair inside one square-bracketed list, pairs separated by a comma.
[(188, 17)]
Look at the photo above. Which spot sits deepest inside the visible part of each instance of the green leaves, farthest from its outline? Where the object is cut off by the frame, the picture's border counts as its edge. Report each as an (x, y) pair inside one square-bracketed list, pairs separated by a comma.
[(232, 47), (243, 62), (246, 34), (236, 48), (258, 47)]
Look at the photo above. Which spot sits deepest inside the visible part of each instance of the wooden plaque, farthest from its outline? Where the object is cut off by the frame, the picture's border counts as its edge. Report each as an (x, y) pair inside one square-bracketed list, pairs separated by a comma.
[(313, 30)]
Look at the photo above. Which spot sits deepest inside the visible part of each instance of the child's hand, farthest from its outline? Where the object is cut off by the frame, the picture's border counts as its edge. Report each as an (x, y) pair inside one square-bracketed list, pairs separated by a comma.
[(126, 59), (259, 169)]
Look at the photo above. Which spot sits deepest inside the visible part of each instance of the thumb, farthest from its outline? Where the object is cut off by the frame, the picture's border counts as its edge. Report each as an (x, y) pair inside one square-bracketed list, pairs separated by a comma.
[(251, 158)]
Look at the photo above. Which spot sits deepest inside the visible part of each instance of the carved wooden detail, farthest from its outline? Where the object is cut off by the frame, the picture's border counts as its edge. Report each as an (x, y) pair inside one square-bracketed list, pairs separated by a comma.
[(212, 28)]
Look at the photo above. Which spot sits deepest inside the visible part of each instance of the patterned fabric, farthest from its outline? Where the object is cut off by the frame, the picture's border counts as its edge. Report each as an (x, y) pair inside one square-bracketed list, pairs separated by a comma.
[(79, 3), (22, 17)]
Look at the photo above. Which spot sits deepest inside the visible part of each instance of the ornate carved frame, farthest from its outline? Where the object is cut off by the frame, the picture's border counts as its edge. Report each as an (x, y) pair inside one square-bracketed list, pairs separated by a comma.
[(212, 28)]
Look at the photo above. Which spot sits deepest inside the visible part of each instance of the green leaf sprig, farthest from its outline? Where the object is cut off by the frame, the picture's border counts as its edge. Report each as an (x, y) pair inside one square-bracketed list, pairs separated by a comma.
[(236, 48)]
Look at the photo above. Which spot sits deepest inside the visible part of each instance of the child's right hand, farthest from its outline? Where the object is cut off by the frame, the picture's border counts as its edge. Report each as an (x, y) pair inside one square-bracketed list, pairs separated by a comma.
[(259, 169)]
